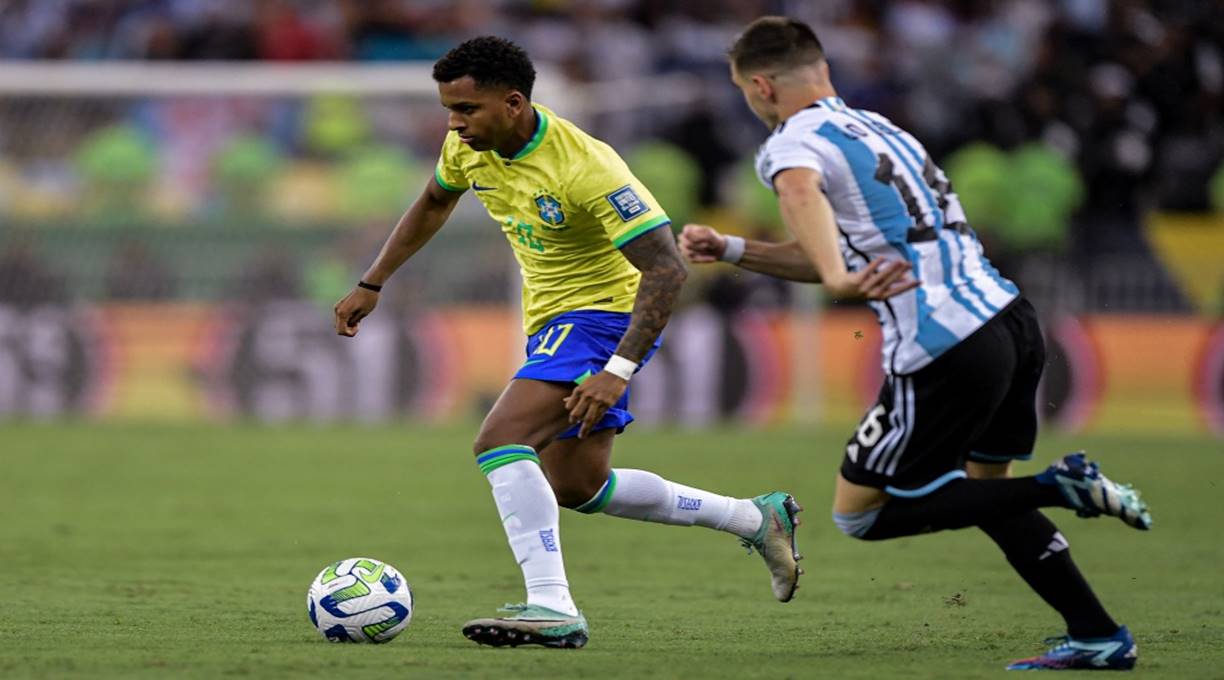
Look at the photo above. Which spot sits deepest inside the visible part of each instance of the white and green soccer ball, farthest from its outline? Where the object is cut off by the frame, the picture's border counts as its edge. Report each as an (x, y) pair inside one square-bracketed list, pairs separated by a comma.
[(359, 600)]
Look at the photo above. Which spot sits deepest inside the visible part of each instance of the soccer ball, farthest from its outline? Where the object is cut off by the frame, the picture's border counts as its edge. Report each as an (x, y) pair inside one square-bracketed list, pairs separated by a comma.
[(359, 600)]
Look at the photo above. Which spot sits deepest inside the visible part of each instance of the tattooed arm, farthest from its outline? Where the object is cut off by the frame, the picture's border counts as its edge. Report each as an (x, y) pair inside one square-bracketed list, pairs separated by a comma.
[(663, 273)]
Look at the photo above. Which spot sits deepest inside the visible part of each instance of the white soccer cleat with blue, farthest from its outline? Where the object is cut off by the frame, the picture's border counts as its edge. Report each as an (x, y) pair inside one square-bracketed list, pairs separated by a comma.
[(530, 625), (1092, 494), (775, 541)]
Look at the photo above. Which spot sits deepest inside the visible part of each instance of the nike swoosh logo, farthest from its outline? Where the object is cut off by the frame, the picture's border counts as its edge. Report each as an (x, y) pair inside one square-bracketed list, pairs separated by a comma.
[(533, 361), (477, 187)]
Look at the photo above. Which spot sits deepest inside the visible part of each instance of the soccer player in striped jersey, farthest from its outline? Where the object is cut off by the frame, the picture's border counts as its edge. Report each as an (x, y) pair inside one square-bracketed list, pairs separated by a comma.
[(600, 275), (874, 218)]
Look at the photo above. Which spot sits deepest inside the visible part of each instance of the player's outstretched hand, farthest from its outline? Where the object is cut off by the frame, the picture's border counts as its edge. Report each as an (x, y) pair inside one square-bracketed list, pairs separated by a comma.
[(882, 278), (355, 306), (589, 401), (700, 244)]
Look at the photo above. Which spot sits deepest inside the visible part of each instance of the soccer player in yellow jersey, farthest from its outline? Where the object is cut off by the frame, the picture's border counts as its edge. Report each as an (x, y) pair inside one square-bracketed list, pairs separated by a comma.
[(601, 273)]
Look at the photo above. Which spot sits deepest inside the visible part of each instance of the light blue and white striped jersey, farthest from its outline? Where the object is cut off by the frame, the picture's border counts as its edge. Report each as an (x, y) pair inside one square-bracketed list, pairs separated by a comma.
[(890, 200)]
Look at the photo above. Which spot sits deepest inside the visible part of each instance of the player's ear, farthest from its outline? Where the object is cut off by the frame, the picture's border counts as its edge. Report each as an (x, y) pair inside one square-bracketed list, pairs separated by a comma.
[(764, 87), (515, 102)]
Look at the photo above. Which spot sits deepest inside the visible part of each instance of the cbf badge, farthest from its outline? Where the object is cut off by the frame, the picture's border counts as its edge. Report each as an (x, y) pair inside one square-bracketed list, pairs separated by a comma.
[(550, 210)]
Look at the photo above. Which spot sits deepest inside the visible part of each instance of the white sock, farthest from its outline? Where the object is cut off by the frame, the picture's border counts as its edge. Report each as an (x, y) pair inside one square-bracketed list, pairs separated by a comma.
[(529, 513), (637, 494)]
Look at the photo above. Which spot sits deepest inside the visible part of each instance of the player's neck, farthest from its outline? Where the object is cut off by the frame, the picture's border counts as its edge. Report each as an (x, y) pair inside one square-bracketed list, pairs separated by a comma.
[(524, 130), (798, 99)]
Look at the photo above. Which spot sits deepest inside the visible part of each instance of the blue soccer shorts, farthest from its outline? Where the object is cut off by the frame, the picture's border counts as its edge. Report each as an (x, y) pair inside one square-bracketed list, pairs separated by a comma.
[(574, 346)]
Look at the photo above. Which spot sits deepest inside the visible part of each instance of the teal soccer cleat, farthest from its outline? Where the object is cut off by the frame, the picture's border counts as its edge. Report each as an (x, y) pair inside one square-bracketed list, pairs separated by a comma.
[(530, 625), (1117, 652), (775, 541), (1092, 494)]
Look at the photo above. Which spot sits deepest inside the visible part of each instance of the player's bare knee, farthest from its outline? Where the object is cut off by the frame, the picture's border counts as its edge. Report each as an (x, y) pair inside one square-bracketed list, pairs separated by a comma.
[(481, 444), (849, 497), (492, 438), (856, 524), (855, 507), (493, 435)]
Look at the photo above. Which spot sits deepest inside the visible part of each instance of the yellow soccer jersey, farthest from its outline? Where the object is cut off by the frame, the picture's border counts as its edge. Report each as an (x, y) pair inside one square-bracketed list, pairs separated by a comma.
[(567, 203)]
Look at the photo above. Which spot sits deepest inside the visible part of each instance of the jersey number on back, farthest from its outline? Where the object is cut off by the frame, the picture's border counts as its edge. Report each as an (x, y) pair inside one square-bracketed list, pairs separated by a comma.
[(921, 231)]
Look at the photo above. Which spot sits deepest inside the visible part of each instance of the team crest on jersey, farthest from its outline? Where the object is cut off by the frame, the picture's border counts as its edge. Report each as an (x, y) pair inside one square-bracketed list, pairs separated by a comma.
[(550, 210), (627, 204)]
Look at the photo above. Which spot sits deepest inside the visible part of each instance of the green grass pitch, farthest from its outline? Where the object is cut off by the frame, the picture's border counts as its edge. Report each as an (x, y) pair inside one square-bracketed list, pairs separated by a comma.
[(177, 551)]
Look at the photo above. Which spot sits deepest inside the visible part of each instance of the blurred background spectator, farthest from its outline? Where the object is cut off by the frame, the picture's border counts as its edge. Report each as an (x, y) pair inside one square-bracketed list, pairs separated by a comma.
[(1063, 124)]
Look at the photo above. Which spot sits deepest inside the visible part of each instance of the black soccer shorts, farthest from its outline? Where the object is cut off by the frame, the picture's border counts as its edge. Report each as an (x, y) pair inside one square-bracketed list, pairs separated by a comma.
[(977, 401)]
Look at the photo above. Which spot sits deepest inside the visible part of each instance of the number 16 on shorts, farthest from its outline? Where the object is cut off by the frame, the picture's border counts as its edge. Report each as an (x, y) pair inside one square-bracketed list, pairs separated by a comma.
[(884, 434), (869, 431)]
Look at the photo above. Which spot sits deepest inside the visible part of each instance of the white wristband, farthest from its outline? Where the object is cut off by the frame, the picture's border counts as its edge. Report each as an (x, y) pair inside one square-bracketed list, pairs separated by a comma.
[(620, 367), (734, 252)]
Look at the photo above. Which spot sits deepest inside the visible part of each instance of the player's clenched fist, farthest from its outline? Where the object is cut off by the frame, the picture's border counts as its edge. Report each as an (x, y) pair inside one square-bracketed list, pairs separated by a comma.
[(700, 243), (355, 306)]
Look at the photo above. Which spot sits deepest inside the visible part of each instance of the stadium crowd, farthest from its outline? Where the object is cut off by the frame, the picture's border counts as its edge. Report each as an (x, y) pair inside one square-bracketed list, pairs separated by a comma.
[(1082, 115)]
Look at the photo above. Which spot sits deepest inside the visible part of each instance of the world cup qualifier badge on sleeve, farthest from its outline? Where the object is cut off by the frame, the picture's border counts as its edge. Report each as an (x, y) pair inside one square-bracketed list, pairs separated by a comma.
[(550, 211), (627, 204)]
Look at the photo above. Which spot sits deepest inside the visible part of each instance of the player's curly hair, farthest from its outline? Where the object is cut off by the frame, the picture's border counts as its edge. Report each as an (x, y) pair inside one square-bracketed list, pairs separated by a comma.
[(490, 61), (775, 43)]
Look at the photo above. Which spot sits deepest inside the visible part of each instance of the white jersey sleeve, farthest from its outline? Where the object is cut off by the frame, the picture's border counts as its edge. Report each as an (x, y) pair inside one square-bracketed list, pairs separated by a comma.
[(786, 149)]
